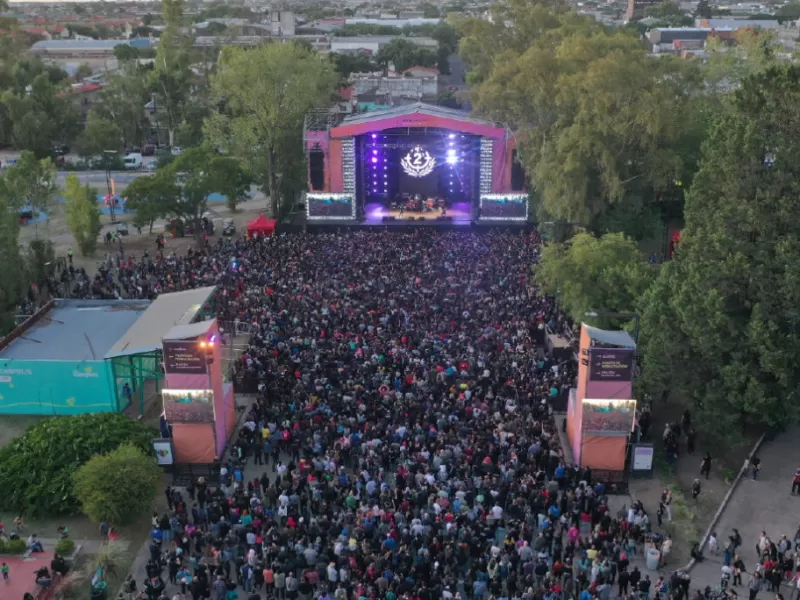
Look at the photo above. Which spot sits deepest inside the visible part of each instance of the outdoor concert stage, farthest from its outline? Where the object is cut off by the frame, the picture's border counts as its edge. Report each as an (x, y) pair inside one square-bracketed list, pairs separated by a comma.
[(417, 164)]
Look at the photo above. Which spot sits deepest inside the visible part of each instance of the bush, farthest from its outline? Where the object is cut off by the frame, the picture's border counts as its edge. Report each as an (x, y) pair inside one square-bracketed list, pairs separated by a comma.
[(13, 547), (119, 486), (65, 547), (36, 469)]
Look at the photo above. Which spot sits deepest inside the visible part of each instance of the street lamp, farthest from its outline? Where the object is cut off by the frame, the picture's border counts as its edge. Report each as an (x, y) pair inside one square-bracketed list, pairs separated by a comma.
[(108, 183), (619, 315)]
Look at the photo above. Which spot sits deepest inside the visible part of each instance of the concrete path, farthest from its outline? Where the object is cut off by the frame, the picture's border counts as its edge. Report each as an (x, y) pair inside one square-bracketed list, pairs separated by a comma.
[(755, 506)]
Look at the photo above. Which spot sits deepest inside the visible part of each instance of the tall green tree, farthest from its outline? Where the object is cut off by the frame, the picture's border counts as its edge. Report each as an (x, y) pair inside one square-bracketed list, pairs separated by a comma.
[(589, 274), (404, 54), (12, 280), (669, 14), (152, 197), (721, 323), (99, 135), (609, 137), (122, 101), (83, 215), (267, 92), (172, 78), (32, 183), (38, 115), (198, 173)]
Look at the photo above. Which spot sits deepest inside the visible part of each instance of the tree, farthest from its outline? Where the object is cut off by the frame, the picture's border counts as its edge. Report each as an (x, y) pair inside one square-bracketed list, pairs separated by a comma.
[(122, 102), (31, 183), (151, 197), (172, 77), (346, 64), (12, 280), (429, 11), (125, 52), (606, 274), (703, 10), (403, 54), (609, 136), (669, 14), (83, 71), (40, 262), (98, 136), (37, 114), (267, 93), (789, 12), (198, 173), (36, 469), (119, 486), (721, 323), (83, 216)]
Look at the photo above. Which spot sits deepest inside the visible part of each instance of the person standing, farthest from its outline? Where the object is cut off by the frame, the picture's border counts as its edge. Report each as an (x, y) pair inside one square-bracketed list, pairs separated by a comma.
[(705, 466), (755, 467), (796, 482), (695, 489), (755, 585), (738, 569)]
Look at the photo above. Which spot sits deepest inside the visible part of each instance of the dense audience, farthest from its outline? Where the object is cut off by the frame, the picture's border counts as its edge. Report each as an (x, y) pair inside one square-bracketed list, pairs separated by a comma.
[(402, 444)]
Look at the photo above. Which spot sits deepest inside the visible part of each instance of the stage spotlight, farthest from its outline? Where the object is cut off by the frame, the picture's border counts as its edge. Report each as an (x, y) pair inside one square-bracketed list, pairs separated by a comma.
[(374, 159), (374, 136), (452, 136), (374, 151)]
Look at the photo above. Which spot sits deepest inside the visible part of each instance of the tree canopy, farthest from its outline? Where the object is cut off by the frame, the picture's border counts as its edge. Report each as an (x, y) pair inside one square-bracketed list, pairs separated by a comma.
[(267, 92), (721, 321), (589, 274), (609, 136), (119, 486)]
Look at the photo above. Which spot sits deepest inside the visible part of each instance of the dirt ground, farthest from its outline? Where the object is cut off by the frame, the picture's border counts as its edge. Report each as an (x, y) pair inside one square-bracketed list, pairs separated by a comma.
[(134, 244)]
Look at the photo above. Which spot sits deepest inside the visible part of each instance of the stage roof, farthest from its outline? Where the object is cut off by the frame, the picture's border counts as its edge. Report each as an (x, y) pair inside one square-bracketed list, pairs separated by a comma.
[(166, 311), (75, 330), (610, 338), (416, 115)]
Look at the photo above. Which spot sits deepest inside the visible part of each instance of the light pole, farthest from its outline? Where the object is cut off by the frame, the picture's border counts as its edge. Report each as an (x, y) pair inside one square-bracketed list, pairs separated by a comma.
[(108, 183), (620, 315)]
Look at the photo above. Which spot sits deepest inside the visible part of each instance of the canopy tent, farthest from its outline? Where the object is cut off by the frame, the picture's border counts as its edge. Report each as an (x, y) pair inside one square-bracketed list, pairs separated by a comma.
[(261, 226)]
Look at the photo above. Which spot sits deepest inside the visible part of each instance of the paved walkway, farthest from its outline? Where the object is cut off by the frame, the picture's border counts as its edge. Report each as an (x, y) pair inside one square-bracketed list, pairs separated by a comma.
[(756, 506)]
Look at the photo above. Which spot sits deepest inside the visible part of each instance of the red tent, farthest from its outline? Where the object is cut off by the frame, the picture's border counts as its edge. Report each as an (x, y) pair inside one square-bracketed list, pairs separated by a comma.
[(261, 226)]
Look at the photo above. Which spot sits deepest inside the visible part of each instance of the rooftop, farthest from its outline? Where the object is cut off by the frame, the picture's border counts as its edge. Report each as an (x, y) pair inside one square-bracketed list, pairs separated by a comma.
[(53, 45), (166, 311), (76, 330), (418, 107), (609, 338)]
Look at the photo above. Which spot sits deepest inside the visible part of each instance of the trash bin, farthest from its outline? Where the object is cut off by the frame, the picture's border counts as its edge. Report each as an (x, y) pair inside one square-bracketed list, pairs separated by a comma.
[(653, 558)]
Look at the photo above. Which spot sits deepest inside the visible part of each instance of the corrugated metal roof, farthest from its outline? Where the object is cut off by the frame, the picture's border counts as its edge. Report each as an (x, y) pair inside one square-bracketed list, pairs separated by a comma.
[(76, 330), (166, 311), (52, 45), (610, 338)]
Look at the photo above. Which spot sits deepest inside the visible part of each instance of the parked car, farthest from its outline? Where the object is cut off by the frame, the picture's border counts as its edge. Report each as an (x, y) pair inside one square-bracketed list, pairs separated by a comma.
[(176, 151), (152, 165), (133, 161), (9, 162)]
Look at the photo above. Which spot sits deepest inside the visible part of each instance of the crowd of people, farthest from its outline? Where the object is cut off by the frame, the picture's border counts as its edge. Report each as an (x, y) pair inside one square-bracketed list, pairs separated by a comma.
[(402, 446)]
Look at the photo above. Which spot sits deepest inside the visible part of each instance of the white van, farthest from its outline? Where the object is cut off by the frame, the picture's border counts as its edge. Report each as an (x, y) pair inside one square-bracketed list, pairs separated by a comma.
[(133, 161)]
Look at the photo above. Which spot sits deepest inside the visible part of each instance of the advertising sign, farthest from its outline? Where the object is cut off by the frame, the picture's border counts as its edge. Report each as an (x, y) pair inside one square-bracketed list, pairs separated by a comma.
[(188, 406), (611, 364), (182, 357), (642, 458), (163, 450)]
